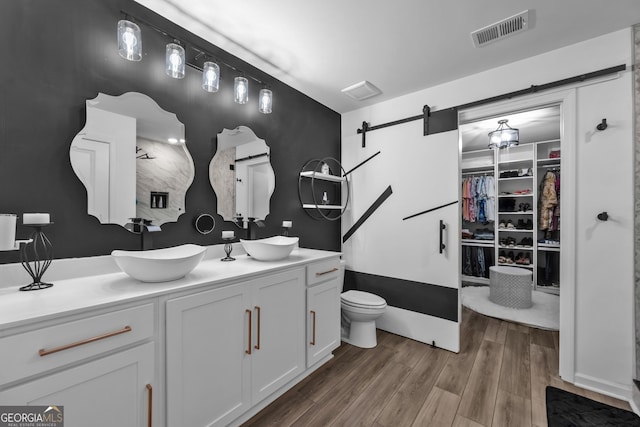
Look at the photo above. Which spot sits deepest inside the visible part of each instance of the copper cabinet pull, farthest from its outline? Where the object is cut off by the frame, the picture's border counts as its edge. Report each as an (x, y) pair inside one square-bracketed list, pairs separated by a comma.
[(313, 334), (328, 271), (248, 350), (43, 352), (150, 405), (257, 346)]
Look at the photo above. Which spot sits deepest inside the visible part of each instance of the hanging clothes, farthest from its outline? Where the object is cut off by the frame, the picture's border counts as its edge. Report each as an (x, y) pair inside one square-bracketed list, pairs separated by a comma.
[(548, 201), (478, 199)]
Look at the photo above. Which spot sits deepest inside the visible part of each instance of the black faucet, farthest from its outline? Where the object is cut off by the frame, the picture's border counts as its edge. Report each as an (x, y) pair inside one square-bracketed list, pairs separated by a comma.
[(252, 225), (144, 228)]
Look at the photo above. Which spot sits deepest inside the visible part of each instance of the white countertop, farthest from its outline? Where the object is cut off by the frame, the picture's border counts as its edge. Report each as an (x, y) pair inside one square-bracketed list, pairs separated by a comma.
[(80, 294)]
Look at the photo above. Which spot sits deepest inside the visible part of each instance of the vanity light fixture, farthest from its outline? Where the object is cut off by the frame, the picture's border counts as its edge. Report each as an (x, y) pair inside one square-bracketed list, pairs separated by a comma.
[(210, 76), (265, 103), (178, 55), (129, 40), (240, 90), (174, 61), (504, 137)]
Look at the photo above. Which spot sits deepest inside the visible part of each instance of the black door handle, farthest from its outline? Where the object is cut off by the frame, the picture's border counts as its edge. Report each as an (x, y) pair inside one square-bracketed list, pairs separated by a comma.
[(443, 226)]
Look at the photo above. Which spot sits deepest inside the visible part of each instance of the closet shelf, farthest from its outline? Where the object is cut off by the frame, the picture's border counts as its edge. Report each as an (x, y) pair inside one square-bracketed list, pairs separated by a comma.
[(549, 163), (516, 178), (514, 230), (516, 213), (515, 195), (479, 243), (520, 248), (548, 248)]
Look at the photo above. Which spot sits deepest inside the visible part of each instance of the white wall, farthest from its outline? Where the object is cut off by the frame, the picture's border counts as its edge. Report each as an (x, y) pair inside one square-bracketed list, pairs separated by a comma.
[(604, 174)]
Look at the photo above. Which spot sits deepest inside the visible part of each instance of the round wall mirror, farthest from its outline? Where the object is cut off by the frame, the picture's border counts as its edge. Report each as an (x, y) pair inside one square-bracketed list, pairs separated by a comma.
[(205, 223)]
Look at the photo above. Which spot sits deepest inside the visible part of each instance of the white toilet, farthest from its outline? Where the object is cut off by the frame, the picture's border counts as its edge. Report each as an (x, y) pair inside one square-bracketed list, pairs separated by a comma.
[(359, 313)]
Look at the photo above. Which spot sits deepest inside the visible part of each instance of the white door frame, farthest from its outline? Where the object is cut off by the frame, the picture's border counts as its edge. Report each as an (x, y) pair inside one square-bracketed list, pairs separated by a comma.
[(566, 98)]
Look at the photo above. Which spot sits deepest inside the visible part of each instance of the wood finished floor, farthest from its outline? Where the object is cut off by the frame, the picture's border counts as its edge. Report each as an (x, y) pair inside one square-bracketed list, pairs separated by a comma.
[(498, 379)]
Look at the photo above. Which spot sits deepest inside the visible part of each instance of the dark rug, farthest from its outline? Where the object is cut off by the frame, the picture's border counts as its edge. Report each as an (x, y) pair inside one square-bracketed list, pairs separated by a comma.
[(568, 409)]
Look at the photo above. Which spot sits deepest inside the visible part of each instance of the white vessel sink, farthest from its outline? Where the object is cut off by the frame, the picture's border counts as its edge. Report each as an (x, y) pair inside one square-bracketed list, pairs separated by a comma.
[(271, 248), (160, 265)]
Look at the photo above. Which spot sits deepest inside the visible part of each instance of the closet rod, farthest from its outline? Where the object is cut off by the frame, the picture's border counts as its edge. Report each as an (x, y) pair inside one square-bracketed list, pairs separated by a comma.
[(478, 173), (426, 111)]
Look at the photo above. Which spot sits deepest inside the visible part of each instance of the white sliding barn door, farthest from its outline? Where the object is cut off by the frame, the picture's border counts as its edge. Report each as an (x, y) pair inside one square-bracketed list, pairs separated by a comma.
[(403, 255)]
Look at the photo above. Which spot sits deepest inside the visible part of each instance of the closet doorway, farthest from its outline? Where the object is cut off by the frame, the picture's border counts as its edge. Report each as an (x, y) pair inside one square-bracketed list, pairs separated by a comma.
[(511, 201)]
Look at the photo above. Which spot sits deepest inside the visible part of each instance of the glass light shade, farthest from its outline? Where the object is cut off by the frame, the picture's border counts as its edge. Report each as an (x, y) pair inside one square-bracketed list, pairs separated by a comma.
[(504, 136), (210, 76), (174, 60), (129, 40), (266, 101), (241, 90)]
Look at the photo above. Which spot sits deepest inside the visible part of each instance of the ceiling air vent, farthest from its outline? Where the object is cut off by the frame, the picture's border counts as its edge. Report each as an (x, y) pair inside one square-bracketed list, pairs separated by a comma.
[(362, 90), (502, 29)]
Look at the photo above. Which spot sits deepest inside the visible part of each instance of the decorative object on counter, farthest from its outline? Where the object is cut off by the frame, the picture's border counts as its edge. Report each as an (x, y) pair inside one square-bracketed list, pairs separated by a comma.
[(205, 223), (36, 255), (228, 236), (36, 218), (286, 225), (503, 137)]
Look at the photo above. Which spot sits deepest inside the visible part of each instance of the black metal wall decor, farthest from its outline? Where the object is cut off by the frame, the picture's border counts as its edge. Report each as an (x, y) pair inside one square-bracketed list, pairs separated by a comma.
[(379, 201)]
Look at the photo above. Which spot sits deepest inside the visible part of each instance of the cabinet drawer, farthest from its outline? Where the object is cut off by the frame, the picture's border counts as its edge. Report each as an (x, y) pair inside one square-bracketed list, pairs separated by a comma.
[(40, 350), (323, 271)]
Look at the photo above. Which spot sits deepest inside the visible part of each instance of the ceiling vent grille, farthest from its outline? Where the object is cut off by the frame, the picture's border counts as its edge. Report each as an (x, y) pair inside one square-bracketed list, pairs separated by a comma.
[(362, 90), (502, 29)]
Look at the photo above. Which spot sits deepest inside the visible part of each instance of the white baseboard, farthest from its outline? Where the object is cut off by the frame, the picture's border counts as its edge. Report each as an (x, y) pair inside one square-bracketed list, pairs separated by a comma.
[(421, 327), (619, 391)]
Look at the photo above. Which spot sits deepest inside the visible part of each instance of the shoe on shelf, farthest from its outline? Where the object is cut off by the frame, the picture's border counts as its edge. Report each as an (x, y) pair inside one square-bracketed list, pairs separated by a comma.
[(510, 257), (528, 225), (520, 225), (511, 242), (519, 258), (501, 224), (526, 260), (502, 258), (510, 224)]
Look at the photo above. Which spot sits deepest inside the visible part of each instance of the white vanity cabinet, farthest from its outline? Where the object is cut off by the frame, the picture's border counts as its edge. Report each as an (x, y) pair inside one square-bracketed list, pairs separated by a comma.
[(230, 347), (101, 368), (323, 309)]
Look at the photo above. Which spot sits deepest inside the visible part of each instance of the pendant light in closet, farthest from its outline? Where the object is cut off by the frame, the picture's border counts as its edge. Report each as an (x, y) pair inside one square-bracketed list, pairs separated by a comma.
[(504, 137)]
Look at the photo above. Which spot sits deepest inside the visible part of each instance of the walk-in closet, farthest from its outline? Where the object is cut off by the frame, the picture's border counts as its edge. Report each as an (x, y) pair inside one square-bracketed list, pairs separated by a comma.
[(510, 199)]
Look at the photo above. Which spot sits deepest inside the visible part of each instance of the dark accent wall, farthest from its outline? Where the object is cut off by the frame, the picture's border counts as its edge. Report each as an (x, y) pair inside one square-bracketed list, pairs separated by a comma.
[(57, 54), (426, 298)]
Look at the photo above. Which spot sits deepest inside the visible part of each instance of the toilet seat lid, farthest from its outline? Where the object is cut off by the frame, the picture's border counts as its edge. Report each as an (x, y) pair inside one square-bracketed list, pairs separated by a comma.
[(364, 299)]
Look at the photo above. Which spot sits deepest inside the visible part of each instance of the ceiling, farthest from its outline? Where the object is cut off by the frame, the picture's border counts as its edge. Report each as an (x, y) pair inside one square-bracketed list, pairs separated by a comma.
[(321, 47)]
